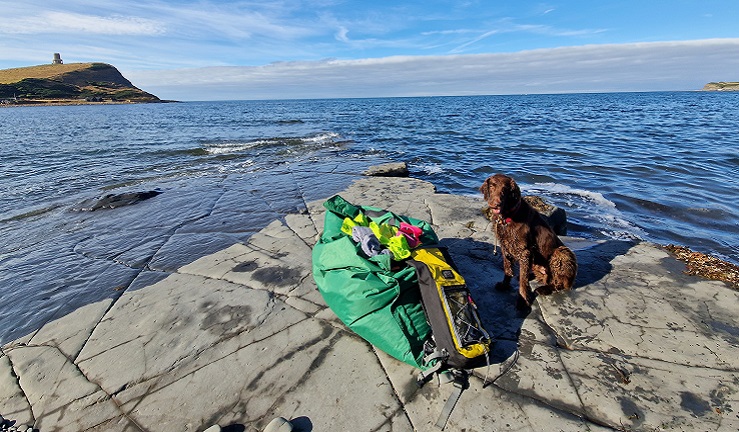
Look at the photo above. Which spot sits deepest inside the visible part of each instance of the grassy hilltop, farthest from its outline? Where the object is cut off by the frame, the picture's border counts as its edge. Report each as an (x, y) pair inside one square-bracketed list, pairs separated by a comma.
[(69, 83), (721, 86)]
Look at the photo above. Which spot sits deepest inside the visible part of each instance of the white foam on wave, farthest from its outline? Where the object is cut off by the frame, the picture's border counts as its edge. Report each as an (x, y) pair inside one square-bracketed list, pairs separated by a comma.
[(430, 168), (231, 147), (239, 166), (322, 138), (596, 198), (592, 208), (228, 147)]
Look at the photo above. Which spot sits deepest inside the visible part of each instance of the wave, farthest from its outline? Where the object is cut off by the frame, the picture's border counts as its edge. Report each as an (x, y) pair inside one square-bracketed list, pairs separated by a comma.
[(30, 213), (195, 151), (429, 168), (590, 208), (319, 140), (229, 147), (559, 189)]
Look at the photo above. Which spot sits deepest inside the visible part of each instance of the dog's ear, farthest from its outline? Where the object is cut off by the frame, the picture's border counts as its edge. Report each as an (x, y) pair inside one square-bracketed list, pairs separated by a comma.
[(515, 191), (485, 189)]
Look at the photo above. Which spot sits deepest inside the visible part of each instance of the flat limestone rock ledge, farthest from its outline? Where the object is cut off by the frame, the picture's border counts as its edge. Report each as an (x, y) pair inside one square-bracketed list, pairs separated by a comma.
[(241, 336), (392, 169)]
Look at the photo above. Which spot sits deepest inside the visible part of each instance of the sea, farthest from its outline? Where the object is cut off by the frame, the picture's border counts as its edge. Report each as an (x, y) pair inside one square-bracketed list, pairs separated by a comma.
[(660, 167)]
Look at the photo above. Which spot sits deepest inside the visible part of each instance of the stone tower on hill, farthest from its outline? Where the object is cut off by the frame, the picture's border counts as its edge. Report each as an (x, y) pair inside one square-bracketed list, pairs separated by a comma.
[(57, 59)]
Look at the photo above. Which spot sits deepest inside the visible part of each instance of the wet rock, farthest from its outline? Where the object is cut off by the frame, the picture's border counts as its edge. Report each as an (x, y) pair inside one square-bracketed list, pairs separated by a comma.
[(555, 216), (112, 201), (395, 169)]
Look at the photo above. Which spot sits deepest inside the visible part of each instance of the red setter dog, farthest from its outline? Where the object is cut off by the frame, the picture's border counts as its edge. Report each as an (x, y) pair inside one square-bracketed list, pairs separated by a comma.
[(525, 236)]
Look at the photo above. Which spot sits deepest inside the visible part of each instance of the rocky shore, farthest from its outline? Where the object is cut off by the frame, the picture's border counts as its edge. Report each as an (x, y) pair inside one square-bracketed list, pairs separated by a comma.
[(242, 336)]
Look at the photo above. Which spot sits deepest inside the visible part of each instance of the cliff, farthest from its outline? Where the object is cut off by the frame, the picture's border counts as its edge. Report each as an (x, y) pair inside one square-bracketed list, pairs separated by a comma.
[(721, 86), (69, 83)]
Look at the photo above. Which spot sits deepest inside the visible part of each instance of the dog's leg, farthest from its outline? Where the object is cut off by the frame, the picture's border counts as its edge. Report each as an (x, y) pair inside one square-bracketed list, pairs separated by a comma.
[(544, 277), (505, 285), (563, 267), (525, 296)]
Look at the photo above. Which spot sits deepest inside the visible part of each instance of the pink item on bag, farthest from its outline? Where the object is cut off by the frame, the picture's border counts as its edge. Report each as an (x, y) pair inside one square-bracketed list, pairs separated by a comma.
[(411, 233)]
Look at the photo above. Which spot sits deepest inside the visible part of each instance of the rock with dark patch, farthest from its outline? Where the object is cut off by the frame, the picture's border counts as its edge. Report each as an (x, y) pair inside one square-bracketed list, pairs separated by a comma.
[(246, 267), (277, 276), (111, 201), (227, 319)]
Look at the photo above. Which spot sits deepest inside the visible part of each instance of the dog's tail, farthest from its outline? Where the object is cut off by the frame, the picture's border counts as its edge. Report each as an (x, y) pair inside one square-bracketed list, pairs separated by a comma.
[(563, 266)]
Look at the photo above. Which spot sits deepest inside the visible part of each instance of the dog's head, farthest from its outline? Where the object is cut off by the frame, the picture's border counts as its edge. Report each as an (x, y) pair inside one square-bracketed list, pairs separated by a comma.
[(502, 194)]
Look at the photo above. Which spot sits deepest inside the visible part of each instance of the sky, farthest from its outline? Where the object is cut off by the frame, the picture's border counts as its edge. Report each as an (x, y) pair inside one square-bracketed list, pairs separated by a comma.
[(292, 49)]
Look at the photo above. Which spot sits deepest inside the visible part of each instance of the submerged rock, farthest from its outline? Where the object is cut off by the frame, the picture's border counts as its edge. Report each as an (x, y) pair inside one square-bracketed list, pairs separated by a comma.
[(111, 201)]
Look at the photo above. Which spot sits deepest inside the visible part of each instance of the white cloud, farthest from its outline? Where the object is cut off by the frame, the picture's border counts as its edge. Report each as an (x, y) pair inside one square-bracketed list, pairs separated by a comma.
[(474, 41), (66, 22), (593, 68), (448, 32), (341, 34)]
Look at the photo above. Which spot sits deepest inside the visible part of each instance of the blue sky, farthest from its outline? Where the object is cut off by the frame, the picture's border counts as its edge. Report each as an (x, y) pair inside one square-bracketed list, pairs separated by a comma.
[(212, 50)]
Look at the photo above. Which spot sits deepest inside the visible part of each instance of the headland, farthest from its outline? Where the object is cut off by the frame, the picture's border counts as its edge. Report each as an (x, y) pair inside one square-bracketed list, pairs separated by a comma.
[(721, 86), (69, 84)]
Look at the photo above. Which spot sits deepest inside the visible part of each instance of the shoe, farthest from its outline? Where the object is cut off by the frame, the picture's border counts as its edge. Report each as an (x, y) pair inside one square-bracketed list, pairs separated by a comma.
[(280, 424)]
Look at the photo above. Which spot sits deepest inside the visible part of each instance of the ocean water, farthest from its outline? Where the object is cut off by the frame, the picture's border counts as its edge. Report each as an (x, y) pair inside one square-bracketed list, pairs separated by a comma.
[(660, 167)]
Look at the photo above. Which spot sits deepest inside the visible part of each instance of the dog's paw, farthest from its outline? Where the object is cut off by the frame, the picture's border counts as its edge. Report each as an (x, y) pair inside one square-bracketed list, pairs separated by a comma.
[(502, 286), (545, 290), (523, 306), (563, 287)]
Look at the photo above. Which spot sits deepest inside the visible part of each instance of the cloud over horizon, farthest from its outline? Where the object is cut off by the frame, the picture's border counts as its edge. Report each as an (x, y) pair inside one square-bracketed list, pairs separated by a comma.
[(231, 49), (652, 66)]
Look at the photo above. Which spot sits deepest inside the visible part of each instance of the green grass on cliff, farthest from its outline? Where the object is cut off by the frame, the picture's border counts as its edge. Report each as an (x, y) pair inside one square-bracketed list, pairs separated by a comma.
[(47, 71)]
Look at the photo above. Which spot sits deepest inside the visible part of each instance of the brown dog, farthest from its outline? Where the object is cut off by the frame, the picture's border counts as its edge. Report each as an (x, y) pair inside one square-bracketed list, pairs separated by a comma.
[(525, 236)]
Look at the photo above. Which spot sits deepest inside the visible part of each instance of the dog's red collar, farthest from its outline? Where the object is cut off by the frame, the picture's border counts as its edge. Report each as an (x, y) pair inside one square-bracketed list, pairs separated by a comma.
[(509, 219)]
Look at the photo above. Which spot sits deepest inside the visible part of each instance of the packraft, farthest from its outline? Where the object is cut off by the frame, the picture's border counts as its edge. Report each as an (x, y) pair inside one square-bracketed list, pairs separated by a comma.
[(387, 278)]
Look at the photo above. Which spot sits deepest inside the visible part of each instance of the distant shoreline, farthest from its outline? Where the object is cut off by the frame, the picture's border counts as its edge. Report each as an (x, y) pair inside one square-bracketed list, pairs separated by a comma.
[(70, 102)]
